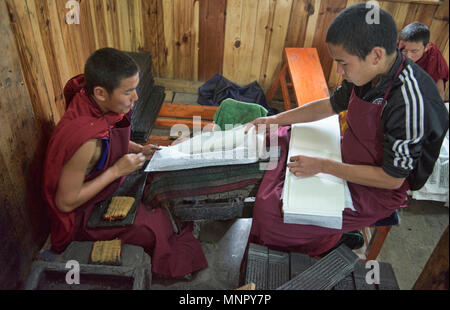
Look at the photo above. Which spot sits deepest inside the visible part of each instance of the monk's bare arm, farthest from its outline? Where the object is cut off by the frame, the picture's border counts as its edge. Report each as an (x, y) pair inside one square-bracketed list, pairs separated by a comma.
[(73, 192), (135, 147), (313, 111), (148, 150), (305, 166)]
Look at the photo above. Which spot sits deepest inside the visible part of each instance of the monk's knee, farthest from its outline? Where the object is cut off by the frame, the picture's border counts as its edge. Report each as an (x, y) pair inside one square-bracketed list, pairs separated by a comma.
[(142, 235)]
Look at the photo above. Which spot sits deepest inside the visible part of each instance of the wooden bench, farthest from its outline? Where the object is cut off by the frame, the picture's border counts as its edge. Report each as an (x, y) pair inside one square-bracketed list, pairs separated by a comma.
[(306, 78), (172, 114)]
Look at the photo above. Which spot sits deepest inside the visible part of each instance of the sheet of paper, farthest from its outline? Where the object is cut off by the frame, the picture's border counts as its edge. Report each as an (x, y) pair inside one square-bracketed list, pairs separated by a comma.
[(320, 199)]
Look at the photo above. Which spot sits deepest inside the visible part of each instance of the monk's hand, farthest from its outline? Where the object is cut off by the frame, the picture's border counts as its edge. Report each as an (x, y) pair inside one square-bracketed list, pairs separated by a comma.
[(149, 149), (305, 166), (261, 123), (129, 163)]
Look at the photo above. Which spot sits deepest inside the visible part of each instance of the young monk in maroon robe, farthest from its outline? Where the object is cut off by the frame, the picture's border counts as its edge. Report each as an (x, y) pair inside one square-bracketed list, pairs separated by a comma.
[(396, 125), (89, 155), (414, 42)]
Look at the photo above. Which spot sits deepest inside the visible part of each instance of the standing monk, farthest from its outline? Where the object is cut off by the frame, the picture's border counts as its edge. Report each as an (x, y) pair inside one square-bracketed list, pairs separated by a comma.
[(89, 155)]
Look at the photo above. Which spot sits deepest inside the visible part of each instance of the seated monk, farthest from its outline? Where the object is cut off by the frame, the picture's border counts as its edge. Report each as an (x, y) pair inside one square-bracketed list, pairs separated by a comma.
[(89, 155), (414, 42), (396, 126)]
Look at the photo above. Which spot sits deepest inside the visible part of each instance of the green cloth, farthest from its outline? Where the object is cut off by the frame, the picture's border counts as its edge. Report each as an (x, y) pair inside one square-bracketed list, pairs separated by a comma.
[(235, 112)]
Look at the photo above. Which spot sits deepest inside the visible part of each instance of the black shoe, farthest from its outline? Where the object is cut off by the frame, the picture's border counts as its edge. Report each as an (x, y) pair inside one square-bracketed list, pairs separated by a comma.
[(352, 239)]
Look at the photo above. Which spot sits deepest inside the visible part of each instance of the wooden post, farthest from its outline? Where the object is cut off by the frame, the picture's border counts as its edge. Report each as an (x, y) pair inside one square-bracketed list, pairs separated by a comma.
[(23, 223), (434, 275), (376, 242)]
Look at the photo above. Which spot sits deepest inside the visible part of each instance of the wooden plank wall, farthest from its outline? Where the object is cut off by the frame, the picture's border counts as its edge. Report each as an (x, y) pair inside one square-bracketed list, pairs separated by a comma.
[(23, 226), (211, 38), (189, 39)]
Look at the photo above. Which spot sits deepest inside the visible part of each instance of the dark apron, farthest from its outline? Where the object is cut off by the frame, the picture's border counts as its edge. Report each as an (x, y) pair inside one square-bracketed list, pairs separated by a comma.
[(362, 144)]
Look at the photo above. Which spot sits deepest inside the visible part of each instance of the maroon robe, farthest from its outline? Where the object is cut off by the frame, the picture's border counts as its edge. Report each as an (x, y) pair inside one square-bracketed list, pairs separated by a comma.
[(172, 255), (434, 64)]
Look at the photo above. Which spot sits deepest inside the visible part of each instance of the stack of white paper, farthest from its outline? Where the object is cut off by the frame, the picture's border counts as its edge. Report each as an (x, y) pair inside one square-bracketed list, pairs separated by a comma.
[(215, 148), (318, 200)]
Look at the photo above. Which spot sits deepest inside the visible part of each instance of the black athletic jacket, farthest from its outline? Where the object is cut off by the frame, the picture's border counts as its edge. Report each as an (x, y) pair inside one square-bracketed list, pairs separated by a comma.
[(414, 120)]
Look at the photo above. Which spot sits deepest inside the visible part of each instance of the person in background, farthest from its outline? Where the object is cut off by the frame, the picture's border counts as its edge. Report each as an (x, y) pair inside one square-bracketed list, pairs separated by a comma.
[(414, 42)]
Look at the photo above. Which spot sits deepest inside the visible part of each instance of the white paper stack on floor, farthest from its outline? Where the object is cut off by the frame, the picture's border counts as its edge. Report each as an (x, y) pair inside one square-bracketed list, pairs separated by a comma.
[(318, 200)]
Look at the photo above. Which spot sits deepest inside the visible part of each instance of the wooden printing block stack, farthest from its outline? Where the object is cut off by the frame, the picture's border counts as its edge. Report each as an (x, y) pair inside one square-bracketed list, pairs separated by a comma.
[(266, 268), (150, 100), (339, 270)]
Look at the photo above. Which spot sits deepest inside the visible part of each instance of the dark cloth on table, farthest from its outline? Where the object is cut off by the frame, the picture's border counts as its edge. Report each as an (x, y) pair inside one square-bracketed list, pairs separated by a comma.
[(218, 88), (206, 183)]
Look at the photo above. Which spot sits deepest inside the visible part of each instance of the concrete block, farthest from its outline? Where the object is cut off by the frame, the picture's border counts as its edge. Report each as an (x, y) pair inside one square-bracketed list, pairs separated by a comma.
[(133, 274)]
